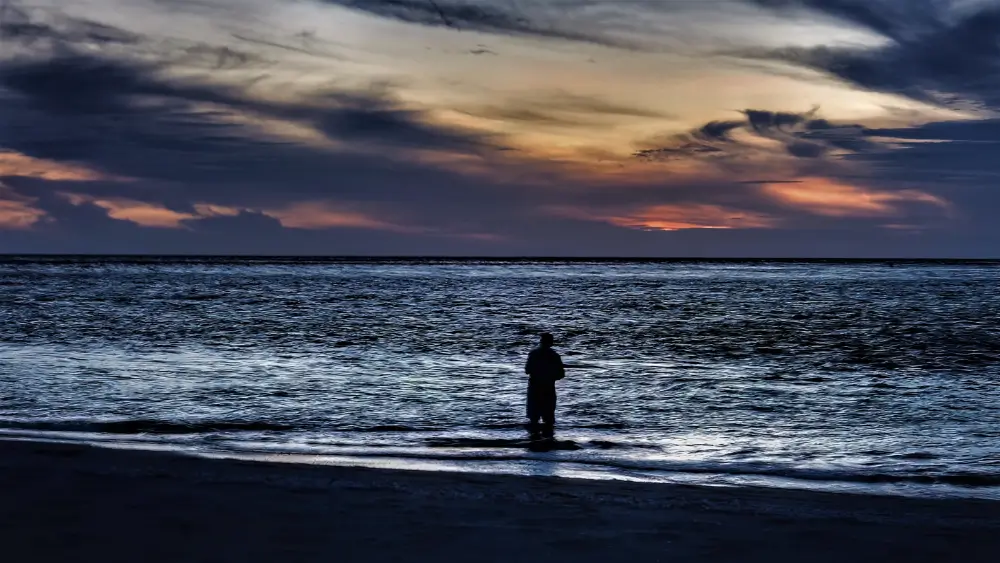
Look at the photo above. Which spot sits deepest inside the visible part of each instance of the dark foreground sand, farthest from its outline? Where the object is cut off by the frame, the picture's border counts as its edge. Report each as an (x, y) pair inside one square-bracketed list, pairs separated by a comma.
[(74, 503)]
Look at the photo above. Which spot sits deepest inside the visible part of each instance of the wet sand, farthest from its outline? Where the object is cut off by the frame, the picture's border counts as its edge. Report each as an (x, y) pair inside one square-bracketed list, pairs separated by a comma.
[(76, 503)]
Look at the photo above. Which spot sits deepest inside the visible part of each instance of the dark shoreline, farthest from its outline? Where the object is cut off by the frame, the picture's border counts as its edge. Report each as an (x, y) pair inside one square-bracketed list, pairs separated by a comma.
[(80, 503)]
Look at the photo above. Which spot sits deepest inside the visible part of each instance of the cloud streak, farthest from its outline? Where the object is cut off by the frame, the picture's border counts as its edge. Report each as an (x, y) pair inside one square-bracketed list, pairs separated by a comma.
[(831, 199), (935, 52), (564, 109), (107, 88), (502, 18), (761, 132)]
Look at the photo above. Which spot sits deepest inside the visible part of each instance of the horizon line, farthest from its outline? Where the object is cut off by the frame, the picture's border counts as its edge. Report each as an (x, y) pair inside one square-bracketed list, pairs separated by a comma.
[(535, 258)]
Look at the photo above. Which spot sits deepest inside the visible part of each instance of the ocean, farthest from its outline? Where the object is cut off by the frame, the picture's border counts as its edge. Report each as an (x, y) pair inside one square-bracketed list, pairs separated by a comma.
[(848, 376)]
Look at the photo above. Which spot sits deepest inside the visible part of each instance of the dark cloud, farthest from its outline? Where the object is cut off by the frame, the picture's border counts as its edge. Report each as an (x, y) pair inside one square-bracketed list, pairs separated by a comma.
[(373, 118), (897, 19), (805, 150), (66, 100), (765, 122), (46, 31), (67, 80), (971, 131), (709, 140), (303, 42), (949, 154), (715, 131), (497, 17), (17, 25), (801, 135), (80, 85), (937, 52)]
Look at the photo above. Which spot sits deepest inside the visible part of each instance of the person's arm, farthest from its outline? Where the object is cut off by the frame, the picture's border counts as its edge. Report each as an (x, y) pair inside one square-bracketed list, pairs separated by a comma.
[(529, 366), (560, 367)]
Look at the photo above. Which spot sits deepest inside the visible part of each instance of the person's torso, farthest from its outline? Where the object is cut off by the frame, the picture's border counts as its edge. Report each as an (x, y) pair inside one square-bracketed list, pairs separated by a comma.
[(545, 365)]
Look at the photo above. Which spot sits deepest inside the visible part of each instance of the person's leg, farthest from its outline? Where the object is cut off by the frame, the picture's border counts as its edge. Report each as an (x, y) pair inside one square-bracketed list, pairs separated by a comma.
[(549, 411), (534, 428), (534, 409)]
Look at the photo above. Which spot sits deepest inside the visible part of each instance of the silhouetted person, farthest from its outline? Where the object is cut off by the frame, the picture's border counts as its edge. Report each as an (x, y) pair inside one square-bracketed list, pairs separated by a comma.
[(544, 368)]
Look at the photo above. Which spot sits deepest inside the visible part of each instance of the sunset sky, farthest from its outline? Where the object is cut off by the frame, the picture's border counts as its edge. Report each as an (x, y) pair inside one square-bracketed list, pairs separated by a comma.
[(832, 128)]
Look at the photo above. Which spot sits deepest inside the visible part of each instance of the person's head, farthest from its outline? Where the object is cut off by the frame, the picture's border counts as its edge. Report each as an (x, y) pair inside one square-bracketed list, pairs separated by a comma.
[(547, 340)]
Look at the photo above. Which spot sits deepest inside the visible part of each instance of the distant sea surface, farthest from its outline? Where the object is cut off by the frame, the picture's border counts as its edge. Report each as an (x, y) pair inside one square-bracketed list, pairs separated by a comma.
[(842, 376)]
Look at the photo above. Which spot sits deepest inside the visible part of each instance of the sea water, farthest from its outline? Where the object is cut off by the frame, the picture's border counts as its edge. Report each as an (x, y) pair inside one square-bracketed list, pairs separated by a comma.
[(853, 376)]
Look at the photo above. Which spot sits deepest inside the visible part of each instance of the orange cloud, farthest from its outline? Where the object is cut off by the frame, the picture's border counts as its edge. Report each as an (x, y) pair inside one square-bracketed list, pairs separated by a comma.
[(17, 164), (17, 211), (211, 210), (821, 196), (676, 217), (139, 212), (149, 214), (304, 215), (323, 215)]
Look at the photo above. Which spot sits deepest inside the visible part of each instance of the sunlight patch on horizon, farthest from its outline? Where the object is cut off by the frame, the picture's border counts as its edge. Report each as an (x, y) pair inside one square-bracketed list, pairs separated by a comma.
[(674, 217), (313, 215)]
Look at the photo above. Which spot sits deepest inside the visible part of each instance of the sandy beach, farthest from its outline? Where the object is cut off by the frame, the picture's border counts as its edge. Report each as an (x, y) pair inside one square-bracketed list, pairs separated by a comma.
[(78, 503)]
